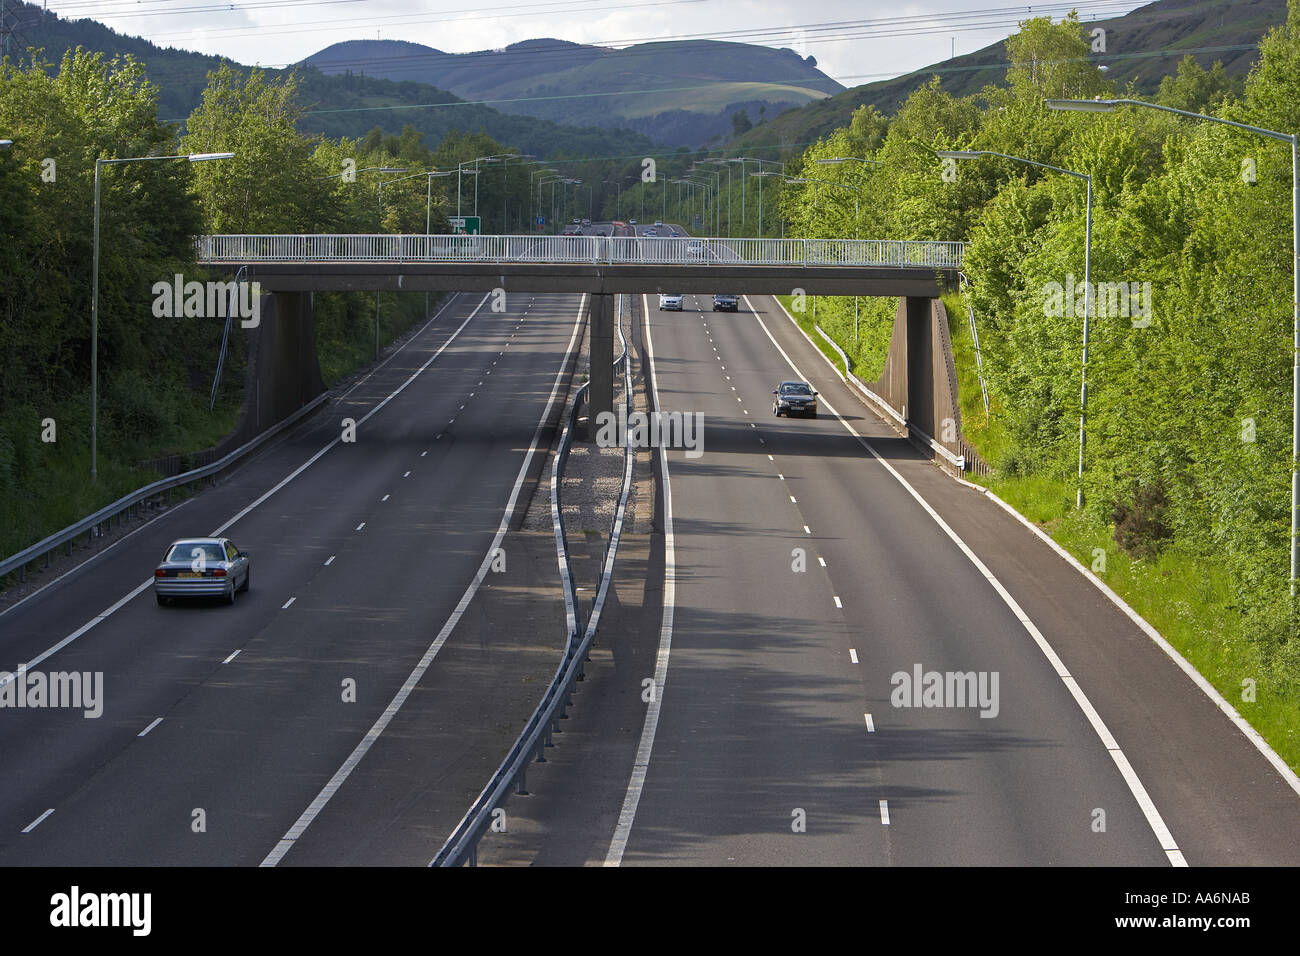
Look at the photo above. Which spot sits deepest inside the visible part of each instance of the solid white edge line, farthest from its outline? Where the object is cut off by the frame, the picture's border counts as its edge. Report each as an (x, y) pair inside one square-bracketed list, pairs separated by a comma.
[(363, 747), (86, 565), (1288, 775), (295, 472), (1148, 807), (38, 821), (156, 722), (627, 815)]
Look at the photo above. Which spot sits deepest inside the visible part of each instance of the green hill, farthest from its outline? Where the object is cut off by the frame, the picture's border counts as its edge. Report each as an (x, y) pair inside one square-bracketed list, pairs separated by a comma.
[(1143, 46), (337, 105), (681, 92)]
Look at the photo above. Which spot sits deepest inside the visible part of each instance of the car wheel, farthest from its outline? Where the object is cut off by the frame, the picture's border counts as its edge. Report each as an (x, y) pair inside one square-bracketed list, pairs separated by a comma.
[(162, 601), (248, 576), (230, 598), (814, 414)]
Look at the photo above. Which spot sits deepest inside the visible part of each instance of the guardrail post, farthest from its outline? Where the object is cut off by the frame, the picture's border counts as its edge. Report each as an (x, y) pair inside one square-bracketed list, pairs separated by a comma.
[(520, 785)]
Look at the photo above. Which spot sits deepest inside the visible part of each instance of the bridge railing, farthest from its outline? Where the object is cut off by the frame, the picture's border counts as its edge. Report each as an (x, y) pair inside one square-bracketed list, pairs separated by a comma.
[(662, 250)]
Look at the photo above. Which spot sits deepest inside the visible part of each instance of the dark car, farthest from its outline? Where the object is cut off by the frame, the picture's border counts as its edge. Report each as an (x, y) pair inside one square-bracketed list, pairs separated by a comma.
[(201, 567), (726, 303), (794, 398)]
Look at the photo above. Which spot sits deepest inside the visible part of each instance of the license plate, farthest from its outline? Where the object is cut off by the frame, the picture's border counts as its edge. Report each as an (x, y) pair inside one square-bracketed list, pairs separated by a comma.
[(190, 574)]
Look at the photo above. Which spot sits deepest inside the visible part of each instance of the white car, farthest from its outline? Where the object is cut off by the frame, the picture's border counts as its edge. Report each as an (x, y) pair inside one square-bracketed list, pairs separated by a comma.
[(670, 303)]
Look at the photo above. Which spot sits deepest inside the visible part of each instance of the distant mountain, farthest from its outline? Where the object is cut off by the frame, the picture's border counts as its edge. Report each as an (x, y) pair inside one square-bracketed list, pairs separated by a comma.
[(182, 76), (1143, 46), (680, 92)]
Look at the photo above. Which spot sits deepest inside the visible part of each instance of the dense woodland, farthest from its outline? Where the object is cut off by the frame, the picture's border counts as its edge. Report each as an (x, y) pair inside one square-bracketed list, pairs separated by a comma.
[(1189, 413)]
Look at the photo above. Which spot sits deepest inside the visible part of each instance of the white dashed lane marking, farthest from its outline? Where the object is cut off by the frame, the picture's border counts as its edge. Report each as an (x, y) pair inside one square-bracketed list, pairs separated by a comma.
[(37, 822)]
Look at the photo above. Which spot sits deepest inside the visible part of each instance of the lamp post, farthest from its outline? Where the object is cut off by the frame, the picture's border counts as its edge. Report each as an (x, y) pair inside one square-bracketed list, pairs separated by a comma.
[(94, 293), (428, 213), (727, 163), (527, 158), (829, 182), (1107, 106), (760, 176), (539, 172), (382, 184), (856, 189), (1087, 284), (461, 171), (717, 204)]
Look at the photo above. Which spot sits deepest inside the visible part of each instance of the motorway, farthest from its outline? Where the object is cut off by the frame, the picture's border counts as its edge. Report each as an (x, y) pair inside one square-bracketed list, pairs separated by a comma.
[(231, 735), (805, 569), (796, 568)]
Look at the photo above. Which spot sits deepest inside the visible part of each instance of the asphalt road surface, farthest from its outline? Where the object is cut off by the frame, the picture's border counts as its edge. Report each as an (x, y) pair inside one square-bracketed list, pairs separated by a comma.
[(224, 728)]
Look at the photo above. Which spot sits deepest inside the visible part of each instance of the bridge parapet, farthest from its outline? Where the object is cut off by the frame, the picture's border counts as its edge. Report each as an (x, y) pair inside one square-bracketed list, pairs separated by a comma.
[(662, 250)]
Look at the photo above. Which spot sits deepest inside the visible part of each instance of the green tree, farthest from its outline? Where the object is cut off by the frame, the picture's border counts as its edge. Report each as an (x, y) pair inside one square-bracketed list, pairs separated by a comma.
[(268, 187)]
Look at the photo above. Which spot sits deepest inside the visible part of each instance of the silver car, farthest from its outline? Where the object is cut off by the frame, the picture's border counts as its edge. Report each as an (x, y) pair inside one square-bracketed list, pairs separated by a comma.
[(201, 567)]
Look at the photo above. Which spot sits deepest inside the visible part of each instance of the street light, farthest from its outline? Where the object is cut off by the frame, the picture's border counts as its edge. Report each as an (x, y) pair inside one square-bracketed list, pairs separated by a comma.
[(1107, 106), (830, 182), (717, 188), (726, 163), (760, 175), (367, 169), (94, 294), (461, 171), (1087, 283), (428, 213), (856, 210), (837, 160), (382, 184)]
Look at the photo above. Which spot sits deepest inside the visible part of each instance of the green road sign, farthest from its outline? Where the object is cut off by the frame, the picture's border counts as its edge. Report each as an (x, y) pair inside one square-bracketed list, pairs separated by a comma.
[(465, 225)]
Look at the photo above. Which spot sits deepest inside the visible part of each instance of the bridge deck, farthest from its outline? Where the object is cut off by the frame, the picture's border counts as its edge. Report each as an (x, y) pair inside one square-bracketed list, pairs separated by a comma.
[(595, 264)]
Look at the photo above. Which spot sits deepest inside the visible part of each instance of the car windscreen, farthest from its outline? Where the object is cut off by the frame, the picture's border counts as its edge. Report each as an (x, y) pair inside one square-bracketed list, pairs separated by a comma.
[(795, 390), (187, 551)]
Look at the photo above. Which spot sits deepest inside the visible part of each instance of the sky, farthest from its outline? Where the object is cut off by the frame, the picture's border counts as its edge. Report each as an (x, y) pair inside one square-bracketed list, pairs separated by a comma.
[(854, 41)]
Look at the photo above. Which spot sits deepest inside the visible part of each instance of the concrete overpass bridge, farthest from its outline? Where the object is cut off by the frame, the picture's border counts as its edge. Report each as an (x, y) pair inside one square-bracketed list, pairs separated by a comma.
[(292, 267)]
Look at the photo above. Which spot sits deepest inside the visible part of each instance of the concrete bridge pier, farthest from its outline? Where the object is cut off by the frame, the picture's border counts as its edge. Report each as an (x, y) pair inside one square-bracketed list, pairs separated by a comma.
[(600, 398)]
